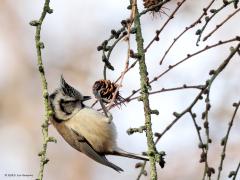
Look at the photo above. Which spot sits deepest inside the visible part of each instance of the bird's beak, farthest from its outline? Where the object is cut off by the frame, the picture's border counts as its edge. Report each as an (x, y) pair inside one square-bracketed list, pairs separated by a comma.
[(85, 98)]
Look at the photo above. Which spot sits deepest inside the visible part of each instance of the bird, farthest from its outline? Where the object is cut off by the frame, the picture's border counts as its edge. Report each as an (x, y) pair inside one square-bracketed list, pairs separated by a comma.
[(84, 128)]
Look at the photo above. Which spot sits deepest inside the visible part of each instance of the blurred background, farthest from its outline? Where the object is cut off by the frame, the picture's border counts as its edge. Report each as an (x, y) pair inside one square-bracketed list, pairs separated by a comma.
[(71, 35)]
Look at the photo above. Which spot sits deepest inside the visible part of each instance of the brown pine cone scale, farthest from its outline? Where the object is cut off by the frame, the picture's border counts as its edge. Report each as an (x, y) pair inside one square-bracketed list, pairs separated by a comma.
[(106, 89)]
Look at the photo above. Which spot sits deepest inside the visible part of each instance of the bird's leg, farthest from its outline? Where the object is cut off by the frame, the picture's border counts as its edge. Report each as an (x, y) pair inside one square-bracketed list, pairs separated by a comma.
[(110, 117), (97, 95)]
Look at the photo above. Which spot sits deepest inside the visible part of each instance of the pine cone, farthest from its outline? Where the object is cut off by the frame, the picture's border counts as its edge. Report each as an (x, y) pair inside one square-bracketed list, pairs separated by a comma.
[(106, 89), (149, 3)]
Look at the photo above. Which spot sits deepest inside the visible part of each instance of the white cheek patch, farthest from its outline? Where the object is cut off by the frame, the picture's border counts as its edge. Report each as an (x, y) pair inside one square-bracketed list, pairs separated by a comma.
[(58, 112)]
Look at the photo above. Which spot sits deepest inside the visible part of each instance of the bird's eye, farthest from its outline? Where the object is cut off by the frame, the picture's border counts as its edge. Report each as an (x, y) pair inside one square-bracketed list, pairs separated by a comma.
[(67, 106)]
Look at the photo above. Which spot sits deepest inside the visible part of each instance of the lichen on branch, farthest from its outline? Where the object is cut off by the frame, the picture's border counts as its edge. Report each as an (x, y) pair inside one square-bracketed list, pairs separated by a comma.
[(145, 94), (48, 112)]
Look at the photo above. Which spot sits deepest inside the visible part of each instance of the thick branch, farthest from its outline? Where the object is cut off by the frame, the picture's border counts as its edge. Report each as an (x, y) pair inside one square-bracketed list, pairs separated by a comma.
[(145, 96)]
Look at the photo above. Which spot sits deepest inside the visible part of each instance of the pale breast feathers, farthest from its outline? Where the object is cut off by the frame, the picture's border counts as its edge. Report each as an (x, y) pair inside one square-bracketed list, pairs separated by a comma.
[(95, 128)]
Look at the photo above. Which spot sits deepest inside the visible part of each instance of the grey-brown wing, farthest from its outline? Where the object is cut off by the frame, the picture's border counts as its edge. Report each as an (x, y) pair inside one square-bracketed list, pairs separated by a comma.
[(87, 149)]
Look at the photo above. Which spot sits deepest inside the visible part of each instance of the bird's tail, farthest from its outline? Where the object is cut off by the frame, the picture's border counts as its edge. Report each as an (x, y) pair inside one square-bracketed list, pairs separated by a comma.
[(120, 152), (113, 166)]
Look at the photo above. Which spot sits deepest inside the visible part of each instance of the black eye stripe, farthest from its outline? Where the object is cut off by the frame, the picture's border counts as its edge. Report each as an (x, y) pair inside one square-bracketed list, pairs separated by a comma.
[(53, 95), (63, 105), (67, 101)]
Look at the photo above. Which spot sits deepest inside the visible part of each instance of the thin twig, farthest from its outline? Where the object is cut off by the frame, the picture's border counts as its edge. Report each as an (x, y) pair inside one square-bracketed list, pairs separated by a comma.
[(186, 29), (166, 90), (198, 130), (48, 111), (142, 170), (179, 4), (207, 169), (198, 97), (203, 156), (107, 57), (237, 38), (199, 32), (234, 175), (215, 73), (219, 25), (127, 100), (179, 115), (225, 139), (130, 67), (127, 38)]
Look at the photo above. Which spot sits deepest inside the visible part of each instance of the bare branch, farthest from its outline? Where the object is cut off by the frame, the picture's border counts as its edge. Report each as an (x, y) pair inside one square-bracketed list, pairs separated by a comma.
[(48, 112), (145, 96), (225, 139)]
